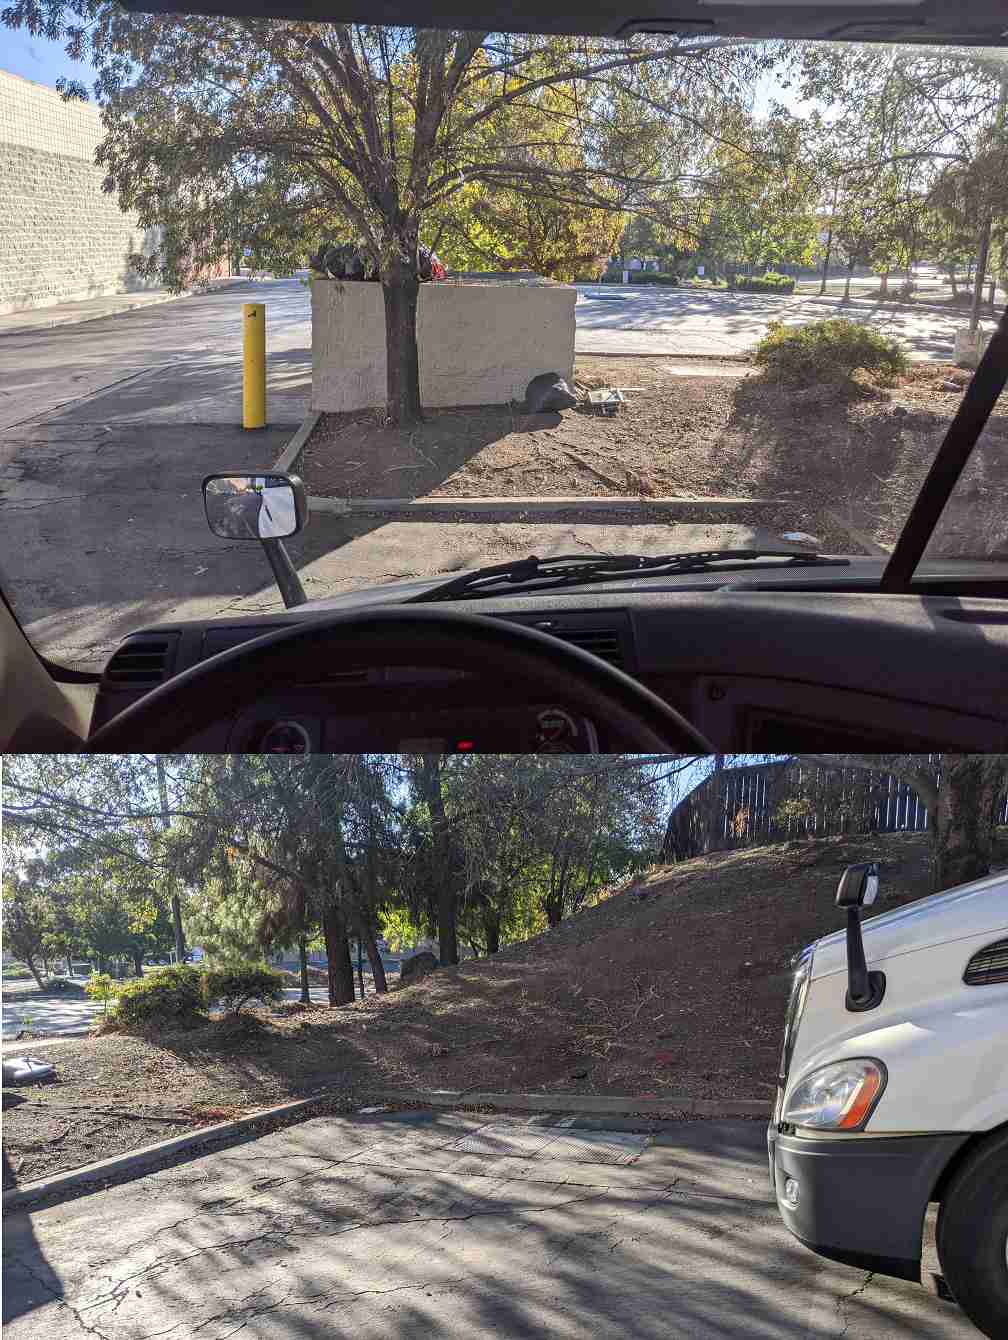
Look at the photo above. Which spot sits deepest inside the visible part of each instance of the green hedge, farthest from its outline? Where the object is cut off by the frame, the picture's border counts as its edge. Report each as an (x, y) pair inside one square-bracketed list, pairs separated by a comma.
[(166, 996), (827, 351), (182, 994), (771, 282), (641, 277)]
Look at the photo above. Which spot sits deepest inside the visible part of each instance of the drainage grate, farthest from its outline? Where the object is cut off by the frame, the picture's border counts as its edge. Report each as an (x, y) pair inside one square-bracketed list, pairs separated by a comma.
[(546, 1142)]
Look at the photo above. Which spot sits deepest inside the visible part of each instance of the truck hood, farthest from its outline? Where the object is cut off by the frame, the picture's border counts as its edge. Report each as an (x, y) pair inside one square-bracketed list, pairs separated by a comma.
[(968, 910)]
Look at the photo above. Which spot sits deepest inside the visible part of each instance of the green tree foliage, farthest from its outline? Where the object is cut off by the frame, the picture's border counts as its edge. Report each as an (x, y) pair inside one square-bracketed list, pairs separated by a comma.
[(759, 206), (26, 923)]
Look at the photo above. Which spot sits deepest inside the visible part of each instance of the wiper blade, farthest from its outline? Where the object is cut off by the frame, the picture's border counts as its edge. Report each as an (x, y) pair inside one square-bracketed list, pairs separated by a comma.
[(544, 574)]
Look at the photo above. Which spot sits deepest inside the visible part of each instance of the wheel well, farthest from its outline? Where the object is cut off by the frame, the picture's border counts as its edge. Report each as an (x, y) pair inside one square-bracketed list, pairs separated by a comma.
[(965, 1152)]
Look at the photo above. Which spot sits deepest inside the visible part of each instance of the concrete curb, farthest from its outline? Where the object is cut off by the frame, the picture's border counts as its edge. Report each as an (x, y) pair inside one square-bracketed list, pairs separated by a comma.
[(537, 506), (81, 318), (137, 1161), (290, 459), (586, 1104), (708, 357)]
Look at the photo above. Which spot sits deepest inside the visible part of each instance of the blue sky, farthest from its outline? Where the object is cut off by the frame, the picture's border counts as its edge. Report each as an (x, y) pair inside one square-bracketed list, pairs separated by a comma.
[(39, 59)]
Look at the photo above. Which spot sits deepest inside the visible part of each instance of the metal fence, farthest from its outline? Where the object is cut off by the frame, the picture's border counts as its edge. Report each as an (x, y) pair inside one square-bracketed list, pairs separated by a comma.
[(769, 802)]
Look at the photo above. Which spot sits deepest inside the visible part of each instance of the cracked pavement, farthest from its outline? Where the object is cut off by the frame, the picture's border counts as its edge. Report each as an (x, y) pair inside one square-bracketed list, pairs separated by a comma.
[(378, 1227)]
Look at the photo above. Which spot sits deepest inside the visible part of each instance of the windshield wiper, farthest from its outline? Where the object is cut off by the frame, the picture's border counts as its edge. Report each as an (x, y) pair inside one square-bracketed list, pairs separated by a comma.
[(545, 574)]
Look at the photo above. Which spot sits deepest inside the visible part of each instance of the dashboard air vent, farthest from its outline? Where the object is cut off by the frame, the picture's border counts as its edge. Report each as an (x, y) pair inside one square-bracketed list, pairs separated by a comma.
[(602, 642), (988, 966), (144, 659)]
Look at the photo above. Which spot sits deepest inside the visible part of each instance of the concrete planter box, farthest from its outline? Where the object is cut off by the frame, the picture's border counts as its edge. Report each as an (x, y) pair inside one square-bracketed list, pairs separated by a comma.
[(480, 344)]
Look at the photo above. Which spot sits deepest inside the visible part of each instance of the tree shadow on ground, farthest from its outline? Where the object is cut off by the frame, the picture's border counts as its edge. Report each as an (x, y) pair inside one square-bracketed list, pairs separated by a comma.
[(356, 455), (842, 445)]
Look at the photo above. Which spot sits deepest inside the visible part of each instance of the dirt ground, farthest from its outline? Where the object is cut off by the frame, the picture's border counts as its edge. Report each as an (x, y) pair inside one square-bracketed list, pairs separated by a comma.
[(853, 448), (674, 985)]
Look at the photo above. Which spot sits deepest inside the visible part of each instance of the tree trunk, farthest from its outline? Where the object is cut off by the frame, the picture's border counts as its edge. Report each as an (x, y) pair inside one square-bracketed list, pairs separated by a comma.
[(360, 966), (69, 963), (341, 982), (884, 284), (176, 906), (29, 962), (400, 287), (375, 959), (491, 929), (826, 261), (846, 287), (442, 862), (138, 964), (101, 962), (971, 787), (447, 928), (303, 960), (953, 281), (983, 248)]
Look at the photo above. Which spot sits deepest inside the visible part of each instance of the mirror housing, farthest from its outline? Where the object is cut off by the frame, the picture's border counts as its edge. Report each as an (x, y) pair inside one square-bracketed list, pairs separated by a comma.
[(255, 507), (858, 885)]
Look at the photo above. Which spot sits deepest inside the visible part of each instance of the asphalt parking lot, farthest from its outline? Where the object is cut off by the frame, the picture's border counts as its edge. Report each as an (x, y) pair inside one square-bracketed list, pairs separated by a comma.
[(420, 1225)]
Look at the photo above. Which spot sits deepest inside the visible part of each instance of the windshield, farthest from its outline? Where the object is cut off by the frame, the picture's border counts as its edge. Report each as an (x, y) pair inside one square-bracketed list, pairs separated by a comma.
[(490, 295)]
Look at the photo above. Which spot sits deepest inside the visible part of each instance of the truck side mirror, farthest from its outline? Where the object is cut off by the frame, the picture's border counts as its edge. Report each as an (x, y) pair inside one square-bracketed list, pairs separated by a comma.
[(858, 888), (858, 885), (267, 508), (255, 507)]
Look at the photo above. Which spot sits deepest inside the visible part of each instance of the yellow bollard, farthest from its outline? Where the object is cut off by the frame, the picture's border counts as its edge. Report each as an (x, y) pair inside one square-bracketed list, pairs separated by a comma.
[(254, 352)]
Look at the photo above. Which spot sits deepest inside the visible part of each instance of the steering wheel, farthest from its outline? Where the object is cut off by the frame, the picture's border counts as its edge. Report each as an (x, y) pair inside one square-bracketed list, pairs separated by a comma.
[(524, 659)]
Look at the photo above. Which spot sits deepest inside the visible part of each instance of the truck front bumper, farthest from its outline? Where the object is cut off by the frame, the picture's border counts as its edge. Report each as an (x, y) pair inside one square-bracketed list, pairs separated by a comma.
[(859, 1199)]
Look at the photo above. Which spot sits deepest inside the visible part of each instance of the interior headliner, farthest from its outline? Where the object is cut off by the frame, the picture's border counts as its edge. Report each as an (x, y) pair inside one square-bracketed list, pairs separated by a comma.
[(968, 22)]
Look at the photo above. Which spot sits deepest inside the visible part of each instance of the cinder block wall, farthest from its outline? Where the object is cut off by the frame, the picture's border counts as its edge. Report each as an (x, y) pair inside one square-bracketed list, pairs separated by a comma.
[(479, 344), (61, 237)]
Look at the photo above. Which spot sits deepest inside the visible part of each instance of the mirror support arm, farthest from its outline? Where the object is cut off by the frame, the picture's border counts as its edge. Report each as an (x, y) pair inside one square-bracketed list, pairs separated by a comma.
[(864, 989), (285, 573)]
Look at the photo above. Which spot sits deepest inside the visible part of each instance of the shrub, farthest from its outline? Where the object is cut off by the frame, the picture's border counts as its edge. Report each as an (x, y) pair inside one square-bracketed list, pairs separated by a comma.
[(169, 995), (771, 282), (640, 277), (100, 986), (827, 351), (235, 984), (14, 972)]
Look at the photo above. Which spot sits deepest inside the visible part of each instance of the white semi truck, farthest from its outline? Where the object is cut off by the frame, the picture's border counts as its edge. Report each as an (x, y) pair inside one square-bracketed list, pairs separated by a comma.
[(893, 1091)]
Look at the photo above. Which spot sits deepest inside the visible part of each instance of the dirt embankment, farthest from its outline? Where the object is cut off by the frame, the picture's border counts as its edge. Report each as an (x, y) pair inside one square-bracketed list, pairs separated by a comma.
[(674, 985), (856, 449)]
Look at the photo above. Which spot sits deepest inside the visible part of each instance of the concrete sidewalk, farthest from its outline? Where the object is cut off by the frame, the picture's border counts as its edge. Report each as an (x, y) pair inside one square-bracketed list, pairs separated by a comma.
[(390, 1227), (93, 309)]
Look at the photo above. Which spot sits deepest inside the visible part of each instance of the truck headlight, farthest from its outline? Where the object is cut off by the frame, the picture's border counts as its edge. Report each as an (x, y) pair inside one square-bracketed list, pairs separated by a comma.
[(837, 1097)]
